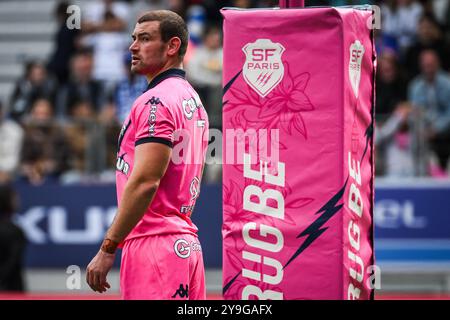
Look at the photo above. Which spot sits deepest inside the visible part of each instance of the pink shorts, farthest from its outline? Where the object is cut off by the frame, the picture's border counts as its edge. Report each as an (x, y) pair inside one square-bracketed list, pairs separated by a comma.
[(162, 267)]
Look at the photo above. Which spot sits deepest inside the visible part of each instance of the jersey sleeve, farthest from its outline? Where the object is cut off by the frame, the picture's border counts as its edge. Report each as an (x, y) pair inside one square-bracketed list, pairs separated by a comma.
[(153, 122)]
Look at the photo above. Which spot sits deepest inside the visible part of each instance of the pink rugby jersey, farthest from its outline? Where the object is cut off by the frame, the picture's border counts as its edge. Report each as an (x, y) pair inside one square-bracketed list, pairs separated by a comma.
[(169, 112)]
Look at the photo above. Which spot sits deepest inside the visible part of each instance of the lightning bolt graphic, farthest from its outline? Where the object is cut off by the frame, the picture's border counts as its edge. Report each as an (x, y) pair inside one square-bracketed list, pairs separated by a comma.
[(228, 86), (228, 285), (368, 134), (230, 83), (315, 229)]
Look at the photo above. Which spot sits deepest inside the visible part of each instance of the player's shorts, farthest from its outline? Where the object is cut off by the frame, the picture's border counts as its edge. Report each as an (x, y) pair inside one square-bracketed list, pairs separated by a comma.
[(163, 267)]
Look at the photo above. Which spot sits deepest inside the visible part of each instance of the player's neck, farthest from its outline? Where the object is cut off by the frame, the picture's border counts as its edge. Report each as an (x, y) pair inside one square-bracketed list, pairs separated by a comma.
[(167, 66)]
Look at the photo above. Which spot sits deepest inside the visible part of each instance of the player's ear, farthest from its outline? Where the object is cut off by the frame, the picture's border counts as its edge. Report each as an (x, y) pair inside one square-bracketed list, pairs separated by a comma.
[(174, 45)]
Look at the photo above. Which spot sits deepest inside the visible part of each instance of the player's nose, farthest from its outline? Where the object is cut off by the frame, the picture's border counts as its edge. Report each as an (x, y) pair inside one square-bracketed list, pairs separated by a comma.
[(133, 47)]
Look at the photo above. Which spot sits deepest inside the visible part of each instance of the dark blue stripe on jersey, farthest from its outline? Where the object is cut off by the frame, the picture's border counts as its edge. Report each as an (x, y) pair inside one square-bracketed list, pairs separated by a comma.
[(178, 73), (154, 139), (122, 134)]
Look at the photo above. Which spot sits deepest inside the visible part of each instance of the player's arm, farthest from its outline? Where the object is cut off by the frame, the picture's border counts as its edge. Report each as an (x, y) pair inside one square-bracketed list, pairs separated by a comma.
[(150, 164)]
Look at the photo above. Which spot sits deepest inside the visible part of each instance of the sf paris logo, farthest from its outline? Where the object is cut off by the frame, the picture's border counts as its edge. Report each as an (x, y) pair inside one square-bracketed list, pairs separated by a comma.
[(263, 69), (354, 67)]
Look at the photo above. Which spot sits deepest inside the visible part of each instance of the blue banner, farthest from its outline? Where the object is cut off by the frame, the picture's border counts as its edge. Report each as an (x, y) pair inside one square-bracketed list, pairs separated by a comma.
[(66, 224), (412, 222)]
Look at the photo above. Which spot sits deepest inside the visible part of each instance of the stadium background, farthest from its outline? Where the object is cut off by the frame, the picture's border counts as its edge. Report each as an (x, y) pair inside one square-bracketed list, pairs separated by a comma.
[(65, 92)]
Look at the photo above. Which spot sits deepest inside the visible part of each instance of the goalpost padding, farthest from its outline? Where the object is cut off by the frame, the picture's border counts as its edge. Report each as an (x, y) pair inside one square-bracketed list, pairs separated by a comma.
[(298, 119)]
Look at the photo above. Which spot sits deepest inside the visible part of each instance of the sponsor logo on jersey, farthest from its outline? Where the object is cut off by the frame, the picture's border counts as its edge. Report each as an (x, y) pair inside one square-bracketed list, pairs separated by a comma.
[(190, 105), (194, 190), (122, 165), (183, 248), (153, 102), (182, 291)]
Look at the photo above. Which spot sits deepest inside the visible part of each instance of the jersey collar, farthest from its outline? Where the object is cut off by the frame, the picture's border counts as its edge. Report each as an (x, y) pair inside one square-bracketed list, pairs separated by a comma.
[(169, 73)]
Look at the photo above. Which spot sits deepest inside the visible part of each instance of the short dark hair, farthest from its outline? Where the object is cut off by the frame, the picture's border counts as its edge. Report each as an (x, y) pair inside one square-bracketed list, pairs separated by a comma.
[(170, 25)]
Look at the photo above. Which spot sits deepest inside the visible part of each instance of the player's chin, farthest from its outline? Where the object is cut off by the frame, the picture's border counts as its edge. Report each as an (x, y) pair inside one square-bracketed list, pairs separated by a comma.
[(134, 69), (137, 69)]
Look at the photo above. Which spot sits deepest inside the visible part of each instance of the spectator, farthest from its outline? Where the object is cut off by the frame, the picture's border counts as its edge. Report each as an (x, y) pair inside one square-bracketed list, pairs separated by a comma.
[(85, 136), (65, 45), (94, 19), (212, 8), (439, 9), (10, 146), (82, 111), (195, 21), (81, 87), (91, 147), (12, 243), (178, 6), (394, 143), (128, 90), (41, 113), (390, 86), (430, 93), (446, 21), (104, 27), (34, 85), (109, 140), (271, 3), (139, 7), (205, 70), (429, 37), (46, 153), (385, 42), (77, 135), (245, 4), (399, 21)]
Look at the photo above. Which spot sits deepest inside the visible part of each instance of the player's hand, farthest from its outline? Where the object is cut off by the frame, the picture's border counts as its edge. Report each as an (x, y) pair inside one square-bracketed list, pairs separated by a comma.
[(97, 270)]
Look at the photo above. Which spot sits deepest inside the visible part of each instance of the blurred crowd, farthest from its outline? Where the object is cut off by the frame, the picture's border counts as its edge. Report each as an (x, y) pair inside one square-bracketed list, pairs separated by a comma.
[(62, 121), (412, 110)]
